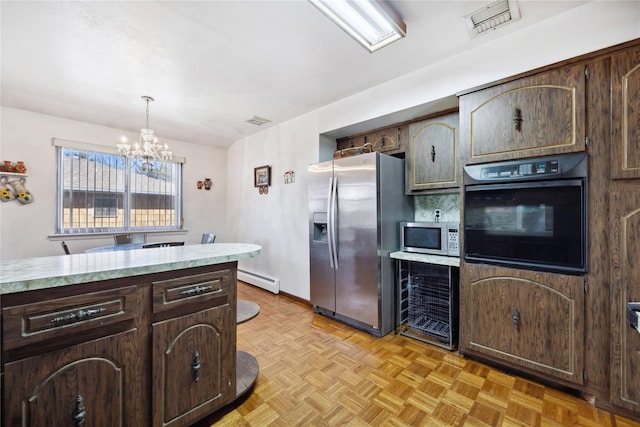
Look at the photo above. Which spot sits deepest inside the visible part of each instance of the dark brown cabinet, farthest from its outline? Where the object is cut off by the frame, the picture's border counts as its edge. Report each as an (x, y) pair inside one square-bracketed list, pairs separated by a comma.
[(194, 355), (532, 116), (624, 227), (73, 360), (625, 103), (150, 350), (390, 140), (625, 289), (431, 156), (533, 320), (89, 384)]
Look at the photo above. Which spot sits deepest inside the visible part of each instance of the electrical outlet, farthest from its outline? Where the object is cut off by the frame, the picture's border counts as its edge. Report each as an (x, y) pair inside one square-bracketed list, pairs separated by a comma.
[(437, 214)]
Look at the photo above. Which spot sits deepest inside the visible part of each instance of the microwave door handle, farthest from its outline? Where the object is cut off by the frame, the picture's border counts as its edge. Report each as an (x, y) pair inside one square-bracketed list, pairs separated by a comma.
[(333, 219)]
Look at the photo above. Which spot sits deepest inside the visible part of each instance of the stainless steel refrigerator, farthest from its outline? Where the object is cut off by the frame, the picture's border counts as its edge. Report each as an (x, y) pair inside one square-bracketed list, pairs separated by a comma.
[(355, 207)]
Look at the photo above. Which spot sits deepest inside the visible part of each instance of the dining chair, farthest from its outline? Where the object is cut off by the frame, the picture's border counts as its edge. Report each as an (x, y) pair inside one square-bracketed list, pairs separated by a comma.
[(65, 248), (208, 238), (162, 245), (123, 239)]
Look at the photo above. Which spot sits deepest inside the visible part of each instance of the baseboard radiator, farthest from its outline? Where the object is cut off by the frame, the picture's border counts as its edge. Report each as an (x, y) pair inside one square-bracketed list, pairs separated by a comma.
[(268, 283)]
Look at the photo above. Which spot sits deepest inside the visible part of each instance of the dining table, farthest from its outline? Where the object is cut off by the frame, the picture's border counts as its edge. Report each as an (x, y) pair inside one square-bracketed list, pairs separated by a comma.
[(122, 247)]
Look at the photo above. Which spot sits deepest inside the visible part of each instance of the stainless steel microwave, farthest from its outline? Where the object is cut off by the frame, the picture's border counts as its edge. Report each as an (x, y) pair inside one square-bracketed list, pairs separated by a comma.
[(434, 238)]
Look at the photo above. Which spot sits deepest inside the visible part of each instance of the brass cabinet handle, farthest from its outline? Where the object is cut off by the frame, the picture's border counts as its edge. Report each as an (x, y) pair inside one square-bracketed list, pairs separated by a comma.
[(196, 290), (516, 318), (517, 119), (79, 315), (79, 412), (196, 366)]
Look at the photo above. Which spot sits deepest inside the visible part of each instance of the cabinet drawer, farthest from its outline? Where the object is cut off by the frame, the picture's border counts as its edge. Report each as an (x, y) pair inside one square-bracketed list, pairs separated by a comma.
[(36, 322), (181, 293)]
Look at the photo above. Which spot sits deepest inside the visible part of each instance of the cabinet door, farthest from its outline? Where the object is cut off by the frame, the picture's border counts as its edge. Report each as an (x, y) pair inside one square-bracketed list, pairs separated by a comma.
[(625, 103), (529, 319), (194, 363), (386, 140), (93, 382), (625, 288), (533, 116), (431, 154)]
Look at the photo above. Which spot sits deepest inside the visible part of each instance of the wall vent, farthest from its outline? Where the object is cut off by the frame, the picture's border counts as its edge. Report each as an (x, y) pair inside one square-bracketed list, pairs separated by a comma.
[(492, 16)]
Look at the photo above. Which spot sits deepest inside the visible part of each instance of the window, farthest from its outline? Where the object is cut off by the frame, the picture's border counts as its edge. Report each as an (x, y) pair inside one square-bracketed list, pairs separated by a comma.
[(99, 191), (105, 207)]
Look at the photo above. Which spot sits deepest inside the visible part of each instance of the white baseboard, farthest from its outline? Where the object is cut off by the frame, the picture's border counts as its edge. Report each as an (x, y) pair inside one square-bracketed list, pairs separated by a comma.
[(267, 283)]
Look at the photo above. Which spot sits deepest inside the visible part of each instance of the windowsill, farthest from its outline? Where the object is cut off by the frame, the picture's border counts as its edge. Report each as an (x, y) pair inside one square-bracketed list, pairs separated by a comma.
[(89, 236)]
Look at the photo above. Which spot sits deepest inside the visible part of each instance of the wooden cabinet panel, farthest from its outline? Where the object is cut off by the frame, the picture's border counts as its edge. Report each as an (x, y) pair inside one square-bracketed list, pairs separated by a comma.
[(194, 363), (533, 116), (390, 140), (529, 319), (625, 288), (192, 292), (94, 381), (625, 103), (386, 140), (59, 318), (431, 161)]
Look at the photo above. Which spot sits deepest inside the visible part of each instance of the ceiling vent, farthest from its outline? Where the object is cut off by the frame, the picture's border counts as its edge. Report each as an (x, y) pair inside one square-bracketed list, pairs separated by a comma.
[(492, 16), (258, 121)]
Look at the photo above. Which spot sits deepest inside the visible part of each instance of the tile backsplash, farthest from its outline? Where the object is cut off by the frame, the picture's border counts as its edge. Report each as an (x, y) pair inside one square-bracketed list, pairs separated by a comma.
[(449, 205)]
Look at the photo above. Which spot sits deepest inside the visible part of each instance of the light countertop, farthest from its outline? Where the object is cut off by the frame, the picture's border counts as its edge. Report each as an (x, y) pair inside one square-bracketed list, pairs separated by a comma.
[(46, 272), (429, 259)]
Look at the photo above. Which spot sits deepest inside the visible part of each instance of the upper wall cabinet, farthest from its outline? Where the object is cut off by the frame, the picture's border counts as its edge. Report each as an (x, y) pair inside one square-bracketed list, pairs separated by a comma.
[(537, 115), (431, 154), (625, 102), (390, 140)]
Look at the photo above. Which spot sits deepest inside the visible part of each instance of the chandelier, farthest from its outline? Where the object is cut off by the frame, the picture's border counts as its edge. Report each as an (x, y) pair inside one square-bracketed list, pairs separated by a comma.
[(147, 149)]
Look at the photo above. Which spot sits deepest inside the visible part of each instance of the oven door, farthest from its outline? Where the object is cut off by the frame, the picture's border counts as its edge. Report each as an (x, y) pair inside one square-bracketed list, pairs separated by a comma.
[(539, 225)]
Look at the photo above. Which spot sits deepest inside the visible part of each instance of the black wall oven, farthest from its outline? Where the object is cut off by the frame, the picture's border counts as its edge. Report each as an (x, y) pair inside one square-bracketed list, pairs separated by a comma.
[(529, 214)]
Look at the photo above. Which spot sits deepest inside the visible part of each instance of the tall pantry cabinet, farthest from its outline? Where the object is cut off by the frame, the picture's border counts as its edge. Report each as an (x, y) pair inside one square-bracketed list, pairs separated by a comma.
[(625, 228), (587, 104)]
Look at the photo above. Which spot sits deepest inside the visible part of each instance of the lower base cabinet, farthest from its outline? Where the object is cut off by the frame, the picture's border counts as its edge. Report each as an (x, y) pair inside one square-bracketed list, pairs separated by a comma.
[(529, 319), (192, 366), (90, 384)]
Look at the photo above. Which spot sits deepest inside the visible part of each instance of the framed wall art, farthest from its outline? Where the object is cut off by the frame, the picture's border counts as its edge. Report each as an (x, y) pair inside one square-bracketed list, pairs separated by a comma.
[(262, 176)]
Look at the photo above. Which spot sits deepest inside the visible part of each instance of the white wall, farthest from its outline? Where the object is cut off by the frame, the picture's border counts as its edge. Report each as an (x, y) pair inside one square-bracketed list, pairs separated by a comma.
[(25, 230), (278, 221)]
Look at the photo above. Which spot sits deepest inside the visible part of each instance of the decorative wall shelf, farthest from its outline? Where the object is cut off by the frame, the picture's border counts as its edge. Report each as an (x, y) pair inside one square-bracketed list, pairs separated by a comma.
[(13, 174)]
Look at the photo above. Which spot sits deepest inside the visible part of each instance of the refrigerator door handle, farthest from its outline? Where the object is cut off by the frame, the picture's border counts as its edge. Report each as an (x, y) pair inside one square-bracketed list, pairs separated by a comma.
[(329, 221), (333, 238)]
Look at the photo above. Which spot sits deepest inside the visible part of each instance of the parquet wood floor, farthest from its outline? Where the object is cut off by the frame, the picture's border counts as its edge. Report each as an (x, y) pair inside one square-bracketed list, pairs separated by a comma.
[(318, 372)]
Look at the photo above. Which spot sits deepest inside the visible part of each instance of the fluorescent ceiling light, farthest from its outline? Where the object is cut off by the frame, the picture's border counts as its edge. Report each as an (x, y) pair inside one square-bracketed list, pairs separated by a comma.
[(373, 24)]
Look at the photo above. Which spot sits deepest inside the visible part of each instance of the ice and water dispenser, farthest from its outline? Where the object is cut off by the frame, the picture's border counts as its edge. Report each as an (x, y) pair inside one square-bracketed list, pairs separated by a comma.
[(320, 227)]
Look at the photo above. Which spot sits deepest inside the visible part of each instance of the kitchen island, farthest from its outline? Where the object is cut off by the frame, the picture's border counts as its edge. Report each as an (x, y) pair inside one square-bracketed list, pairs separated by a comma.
[(140, 338)]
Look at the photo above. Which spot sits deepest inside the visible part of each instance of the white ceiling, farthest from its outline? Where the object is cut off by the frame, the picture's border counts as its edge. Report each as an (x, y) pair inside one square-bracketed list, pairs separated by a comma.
[(212, 65)]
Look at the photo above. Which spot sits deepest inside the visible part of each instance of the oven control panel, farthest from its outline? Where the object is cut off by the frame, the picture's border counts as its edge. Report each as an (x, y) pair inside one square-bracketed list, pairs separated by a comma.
[(542, 168), (519, 170)]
